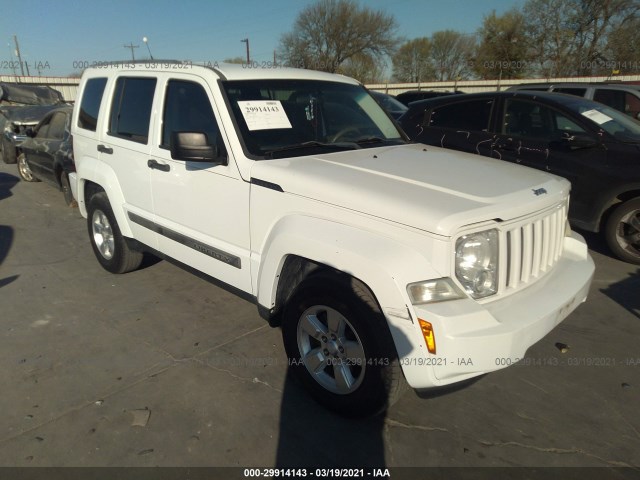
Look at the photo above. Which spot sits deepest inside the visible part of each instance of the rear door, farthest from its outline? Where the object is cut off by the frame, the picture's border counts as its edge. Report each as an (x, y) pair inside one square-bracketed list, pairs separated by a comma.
[(124, 146)]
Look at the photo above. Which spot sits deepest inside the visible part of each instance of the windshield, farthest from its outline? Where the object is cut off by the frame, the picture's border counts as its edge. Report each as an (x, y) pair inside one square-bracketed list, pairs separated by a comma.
[(621, 126), (389, 103), (286, 118)]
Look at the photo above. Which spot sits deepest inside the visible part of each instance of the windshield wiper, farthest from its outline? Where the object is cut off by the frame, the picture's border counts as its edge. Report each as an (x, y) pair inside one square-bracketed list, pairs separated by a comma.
[(313, 144), (367, 140)]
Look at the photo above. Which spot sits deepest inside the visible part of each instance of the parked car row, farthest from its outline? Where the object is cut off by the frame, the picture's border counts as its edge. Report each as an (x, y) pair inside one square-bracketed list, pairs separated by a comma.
[(594, 146)]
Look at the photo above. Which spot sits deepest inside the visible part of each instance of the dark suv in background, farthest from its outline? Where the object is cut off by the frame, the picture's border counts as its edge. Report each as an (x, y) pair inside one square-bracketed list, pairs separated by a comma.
[(621, 96), (596, 147)]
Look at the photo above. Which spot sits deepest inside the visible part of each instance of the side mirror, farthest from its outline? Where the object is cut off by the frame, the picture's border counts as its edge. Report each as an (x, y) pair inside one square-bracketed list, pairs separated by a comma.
[(192, 147)]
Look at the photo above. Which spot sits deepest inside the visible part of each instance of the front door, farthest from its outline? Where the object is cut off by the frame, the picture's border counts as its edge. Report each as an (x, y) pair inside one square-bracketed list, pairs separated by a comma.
[(201, 208)]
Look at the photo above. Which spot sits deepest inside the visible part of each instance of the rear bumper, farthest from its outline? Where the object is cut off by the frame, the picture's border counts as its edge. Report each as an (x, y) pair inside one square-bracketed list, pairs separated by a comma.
[(473, 339)]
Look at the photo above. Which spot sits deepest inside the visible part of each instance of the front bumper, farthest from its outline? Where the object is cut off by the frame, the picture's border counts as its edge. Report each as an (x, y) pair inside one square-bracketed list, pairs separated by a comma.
[(475, 338)]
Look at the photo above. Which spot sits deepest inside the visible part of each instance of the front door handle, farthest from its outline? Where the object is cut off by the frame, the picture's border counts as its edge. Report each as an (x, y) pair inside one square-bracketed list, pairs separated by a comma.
[(163, 167), (105, 149)]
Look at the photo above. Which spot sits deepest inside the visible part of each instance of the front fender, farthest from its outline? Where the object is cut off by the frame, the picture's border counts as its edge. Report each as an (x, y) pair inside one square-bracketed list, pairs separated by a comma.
[(386, 265)]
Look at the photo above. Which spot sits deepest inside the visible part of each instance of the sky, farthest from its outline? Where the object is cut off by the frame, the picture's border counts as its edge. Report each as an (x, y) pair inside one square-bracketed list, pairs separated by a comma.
[(59, 38)]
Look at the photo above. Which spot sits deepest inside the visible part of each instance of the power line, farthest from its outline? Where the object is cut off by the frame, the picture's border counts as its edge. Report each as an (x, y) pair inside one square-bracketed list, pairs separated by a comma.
[(132, 46)]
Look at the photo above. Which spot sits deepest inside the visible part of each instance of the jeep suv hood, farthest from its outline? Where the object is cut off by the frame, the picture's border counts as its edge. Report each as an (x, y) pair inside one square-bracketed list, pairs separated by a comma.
[(430, 188)]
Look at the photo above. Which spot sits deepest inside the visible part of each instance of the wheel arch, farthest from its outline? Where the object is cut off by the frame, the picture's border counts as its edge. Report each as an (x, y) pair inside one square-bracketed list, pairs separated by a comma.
[(614, 200), (383, 265), (94, 176)]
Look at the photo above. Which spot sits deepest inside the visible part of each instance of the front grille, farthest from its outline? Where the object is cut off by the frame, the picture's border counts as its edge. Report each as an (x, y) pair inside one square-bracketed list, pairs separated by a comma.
[(533, 248)]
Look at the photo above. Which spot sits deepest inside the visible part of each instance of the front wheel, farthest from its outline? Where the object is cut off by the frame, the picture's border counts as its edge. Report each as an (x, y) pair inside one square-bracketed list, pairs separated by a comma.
[(340, 348), (623, 231), (24, 171), (108, 244)]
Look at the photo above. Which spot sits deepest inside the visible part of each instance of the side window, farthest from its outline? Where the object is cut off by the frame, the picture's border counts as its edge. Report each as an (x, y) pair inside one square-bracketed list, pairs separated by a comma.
[(532, 120), (473, 115), (43, 128), (187, 109), (578, 92), (131, 108), (90, 105), (620, 100), (56, 127), (564, 124)]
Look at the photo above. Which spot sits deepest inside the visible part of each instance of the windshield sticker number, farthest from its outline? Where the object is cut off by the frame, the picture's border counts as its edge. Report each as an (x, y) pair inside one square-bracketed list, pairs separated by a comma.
[(264, 114), (597, 116)]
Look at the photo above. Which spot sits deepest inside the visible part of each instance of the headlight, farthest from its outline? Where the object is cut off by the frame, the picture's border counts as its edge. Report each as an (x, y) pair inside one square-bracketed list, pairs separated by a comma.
[(477, 263), (431, 291)]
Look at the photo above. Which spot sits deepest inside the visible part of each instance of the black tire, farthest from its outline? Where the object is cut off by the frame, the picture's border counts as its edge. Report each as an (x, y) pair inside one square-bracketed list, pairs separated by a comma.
[(8, 152), (66, 190), (108, 244), (374, 373), (623, 231), (24, 171)]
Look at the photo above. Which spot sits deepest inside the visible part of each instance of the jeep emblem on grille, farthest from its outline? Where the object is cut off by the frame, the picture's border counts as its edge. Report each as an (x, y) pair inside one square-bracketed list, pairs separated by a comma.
[(539, 191)]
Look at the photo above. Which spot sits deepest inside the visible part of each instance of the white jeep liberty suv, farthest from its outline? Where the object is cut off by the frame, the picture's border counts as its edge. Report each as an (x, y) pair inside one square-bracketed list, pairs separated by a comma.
[(382, 260)]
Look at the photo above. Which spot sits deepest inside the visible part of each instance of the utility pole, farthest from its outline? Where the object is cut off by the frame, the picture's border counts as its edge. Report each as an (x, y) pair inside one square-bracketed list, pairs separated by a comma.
[(246, 40), (274, 58), (15, 39), (132, 46)]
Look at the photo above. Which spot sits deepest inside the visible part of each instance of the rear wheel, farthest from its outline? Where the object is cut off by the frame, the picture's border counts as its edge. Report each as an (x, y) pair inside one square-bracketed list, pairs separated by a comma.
[(108, 244), (623, 231), (24, 171), (340, 348)]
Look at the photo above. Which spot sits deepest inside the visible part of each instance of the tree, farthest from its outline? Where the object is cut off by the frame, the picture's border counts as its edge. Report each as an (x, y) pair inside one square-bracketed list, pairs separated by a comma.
[(363, 68), (551, 36), (330, 32), (451, 54), (581, 37), (622, 48), (412, 63), (593, 21), (504, 46)]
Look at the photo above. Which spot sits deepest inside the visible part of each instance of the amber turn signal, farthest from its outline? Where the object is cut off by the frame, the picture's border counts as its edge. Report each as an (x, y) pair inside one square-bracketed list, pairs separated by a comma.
[(429, 337)]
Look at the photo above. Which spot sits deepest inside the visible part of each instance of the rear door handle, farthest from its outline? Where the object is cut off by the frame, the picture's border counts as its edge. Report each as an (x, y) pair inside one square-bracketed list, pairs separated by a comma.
[(105, 149), (163, 167)]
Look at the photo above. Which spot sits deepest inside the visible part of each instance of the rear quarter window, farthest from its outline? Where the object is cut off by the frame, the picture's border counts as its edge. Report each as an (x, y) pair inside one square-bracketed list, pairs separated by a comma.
[(90, 104)]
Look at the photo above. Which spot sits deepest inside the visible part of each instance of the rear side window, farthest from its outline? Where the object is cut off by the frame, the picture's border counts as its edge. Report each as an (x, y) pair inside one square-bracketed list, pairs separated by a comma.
[(131, 108), (472, 116), (578, 92), (90, 105), (620, 100)]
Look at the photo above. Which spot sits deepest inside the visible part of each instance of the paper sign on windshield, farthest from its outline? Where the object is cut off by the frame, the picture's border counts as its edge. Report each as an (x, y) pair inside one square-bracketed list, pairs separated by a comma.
[(597, 116), (264, 114)]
